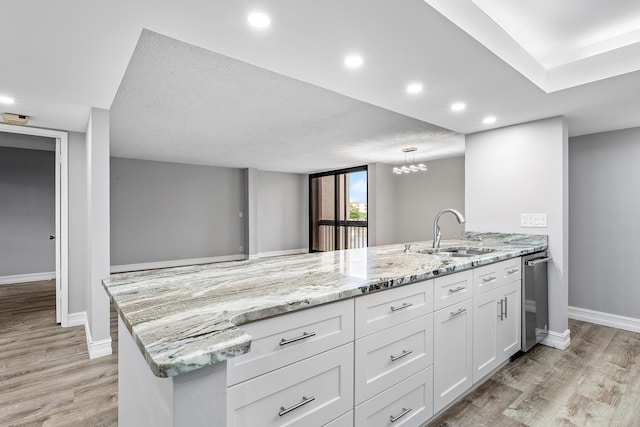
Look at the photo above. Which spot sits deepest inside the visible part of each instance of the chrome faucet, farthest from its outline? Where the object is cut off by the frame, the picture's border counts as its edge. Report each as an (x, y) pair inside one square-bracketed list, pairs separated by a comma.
[(436, 228)]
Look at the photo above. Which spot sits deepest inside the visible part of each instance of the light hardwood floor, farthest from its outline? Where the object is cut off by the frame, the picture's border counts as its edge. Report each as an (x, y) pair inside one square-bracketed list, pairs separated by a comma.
[(46, 377)]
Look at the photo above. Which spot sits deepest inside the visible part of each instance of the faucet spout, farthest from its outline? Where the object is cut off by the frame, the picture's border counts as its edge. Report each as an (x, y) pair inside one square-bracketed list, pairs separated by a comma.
[(436, 228)]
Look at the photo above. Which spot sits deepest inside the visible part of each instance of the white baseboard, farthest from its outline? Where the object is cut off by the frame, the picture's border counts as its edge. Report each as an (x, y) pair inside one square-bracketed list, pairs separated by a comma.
[(605, 319), (31, 277), (95, 348), (557, 339), (281, 253), (175, 263)]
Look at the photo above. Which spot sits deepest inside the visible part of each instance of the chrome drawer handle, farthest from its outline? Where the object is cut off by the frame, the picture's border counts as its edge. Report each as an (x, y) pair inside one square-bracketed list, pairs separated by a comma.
[(304, 336), (505, 307), (304, 401), (457, 313), (458, 289), (405, 305), (404, 353), (404, 412), (488, 279), (512, 271)]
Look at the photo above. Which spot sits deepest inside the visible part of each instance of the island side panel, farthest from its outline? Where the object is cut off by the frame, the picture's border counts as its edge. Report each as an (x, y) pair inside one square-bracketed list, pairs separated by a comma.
[(143, 398), (200, 396)]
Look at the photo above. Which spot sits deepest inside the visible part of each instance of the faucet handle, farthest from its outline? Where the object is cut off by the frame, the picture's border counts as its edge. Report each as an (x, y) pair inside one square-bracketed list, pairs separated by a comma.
[(407, 248)]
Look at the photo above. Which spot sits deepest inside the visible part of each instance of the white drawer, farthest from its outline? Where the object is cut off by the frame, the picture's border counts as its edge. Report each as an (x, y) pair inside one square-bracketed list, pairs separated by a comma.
[(409, 403), (324, 382), (344, 421), (452, 289), (325, 327), (390, 356), (385, 309), (492, 276)]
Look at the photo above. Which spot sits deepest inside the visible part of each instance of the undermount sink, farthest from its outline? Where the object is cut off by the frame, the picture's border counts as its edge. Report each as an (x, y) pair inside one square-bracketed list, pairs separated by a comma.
[(457, 252)]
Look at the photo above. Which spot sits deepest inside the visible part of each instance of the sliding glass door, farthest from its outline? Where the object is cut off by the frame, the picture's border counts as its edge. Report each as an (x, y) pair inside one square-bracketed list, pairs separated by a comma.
[(338, 210)]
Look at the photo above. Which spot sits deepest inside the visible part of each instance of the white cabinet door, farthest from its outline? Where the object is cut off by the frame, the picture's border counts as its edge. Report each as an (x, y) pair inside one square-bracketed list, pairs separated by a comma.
[(452, 342), (509, 333), (486, 309)]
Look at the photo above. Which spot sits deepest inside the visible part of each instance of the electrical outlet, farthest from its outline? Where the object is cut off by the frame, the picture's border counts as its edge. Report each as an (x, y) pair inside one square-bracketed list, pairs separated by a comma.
[(240, 214), (241, 249), (533, 220)]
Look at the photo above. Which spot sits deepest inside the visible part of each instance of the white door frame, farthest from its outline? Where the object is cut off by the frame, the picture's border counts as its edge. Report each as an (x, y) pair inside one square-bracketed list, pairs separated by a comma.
[(62, 213)]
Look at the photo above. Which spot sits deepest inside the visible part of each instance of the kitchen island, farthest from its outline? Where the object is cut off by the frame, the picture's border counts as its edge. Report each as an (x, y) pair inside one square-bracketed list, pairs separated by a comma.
[(178, 327)]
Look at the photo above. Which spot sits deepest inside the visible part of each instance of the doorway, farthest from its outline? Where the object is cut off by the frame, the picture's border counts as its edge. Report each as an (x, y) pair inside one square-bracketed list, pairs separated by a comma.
[(338, 210), (61, 213)]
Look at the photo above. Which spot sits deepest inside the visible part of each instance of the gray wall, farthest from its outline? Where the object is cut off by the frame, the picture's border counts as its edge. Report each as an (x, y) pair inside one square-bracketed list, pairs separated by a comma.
[(27, 210), (402, 207), (604, 207), (78, 260), (523, 169), (168, 211), (419, 196), (282, 211)]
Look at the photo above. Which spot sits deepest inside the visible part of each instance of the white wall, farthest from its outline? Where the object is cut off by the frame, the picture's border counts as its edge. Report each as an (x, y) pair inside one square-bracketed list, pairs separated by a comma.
[(282, 211), (98, 225), (164, 211), (523, 169), (604, 208), (78, 258)]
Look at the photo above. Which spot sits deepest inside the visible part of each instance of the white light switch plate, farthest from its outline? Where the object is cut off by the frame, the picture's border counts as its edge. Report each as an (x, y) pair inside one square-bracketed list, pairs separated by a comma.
[(533, 220)]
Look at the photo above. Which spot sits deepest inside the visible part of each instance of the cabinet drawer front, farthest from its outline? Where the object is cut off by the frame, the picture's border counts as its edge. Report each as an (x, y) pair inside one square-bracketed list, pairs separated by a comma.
[(312, 392), (388, 308), (511, 270), (344, 421), (489, 277), (390, 356), (409, 403), (282, 340), (452, 289)]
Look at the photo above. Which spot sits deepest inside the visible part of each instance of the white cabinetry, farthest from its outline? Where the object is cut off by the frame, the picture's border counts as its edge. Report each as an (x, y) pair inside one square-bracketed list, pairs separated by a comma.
[(496, 316), (452, 343), (452, 340), (394, 357)]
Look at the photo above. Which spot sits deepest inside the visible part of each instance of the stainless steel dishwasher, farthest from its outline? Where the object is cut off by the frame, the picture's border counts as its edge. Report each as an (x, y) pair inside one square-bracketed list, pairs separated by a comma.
[(535, 300)]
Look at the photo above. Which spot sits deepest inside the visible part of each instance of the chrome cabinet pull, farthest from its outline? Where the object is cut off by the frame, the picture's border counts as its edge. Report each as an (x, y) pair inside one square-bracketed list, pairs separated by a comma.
[(304, 336), (512, 271), (405, 305), (400, 356), (304, 401), (458, 289), (500, 303), (457, 313), (488, 279), (505, 307), (404, 412)]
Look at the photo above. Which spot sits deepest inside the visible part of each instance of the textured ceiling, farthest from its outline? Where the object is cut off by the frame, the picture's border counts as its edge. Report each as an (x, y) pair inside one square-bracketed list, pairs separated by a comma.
[(181, 103)]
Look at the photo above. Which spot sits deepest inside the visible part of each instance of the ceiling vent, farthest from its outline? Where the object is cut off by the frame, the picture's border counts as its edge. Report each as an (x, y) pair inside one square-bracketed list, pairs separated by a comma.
[(15, 119)]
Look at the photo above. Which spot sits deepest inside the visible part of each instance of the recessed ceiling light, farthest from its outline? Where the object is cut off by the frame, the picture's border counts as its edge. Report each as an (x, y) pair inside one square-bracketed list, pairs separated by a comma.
[(414, 88), (458, 106), (353, 61), (258, 20), (489, 120), (6, 100)]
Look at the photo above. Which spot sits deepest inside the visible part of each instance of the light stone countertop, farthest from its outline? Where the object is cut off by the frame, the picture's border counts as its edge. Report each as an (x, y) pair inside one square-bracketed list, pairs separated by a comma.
[(186, 318)]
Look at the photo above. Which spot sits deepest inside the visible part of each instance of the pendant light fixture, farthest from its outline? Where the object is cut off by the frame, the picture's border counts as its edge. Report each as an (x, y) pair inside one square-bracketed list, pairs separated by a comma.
[(412, 167)]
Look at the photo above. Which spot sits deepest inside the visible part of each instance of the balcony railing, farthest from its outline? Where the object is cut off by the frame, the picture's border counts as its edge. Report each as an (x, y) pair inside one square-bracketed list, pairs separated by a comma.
[(352, 234)]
